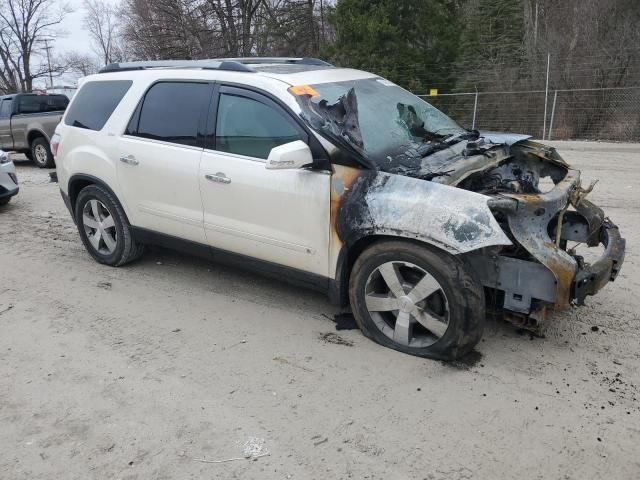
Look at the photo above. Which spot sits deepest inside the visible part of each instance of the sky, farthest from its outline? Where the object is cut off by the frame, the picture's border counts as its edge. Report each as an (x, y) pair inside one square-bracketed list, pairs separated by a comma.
[(71, 36), (74, 36)]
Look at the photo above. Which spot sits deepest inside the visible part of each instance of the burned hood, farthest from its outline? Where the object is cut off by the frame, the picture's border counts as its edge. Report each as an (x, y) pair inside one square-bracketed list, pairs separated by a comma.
[(503, 138), (397, 139), (398, 133)]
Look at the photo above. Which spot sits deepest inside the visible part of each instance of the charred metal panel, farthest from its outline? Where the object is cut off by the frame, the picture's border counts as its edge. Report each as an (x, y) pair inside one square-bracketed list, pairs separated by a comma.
[(520, 280), (503, 137), (529, 225), (378, 203), (592, 278)]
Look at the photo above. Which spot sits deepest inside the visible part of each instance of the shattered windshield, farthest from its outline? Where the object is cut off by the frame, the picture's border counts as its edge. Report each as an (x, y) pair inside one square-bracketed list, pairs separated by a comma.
[(379, 120)]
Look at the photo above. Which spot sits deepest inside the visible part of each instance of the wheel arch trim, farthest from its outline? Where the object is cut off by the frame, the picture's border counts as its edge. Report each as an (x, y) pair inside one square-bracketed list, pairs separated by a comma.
[(34, 133), (79, 181)]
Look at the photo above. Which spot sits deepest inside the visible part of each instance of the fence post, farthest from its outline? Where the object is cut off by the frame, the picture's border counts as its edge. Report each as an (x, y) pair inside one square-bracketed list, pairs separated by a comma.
[(546, 97), (475, 108), (553, 113)]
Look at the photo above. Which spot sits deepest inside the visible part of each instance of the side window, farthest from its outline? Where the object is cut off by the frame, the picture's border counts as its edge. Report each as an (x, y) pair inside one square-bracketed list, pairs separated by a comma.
[(56, 103), (29, 104), (95, 102), (171, 112), (42, 103), (248, 127), (5, 108)]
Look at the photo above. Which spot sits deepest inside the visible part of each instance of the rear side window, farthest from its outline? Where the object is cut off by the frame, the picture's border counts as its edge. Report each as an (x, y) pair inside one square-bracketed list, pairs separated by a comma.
[(95, 102), (252, 128), (42, 103), (5, 108), (172, 112)]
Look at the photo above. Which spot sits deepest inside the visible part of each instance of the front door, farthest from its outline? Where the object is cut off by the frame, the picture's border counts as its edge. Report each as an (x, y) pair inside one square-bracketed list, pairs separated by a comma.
[(281, 216), (159, 158)]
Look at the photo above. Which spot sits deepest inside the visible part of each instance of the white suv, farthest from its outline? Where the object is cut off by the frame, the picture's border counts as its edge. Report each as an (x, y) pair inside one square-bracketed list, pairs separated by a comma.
[(332, 178)]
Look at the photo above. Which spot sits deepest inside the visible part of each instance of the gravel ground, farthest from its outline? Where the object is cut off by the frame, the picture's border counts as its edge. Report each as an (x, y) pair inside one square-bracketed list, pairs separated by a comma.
[(132, 373)]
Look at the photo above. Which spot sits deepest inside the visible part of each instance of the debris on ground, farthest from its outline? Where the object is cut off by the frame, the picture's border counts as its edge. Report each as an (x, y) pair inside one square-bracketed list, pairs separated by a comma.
[(467, 362), (252, 449), (286, 361), (330, 337), (319, 442), (343, 321)]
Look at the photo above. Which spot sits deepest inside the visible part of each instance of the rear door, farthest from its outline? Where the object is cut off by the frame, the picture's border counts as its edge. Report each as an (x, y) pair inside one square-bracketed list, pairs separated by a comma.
[(280, 216), (159, 157), (6, 140)]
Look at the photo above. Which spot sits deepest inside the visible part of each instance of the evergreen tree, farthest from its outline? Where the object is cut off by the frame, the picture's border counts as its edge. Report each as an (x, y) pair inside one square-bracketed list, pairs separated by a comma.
[(402, 40)]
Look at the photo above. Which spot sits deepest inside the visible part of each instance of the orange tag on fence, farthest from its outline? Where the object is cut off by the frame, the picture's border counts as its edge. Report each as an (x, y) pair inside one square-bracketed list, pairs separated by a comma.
[(300, 90)]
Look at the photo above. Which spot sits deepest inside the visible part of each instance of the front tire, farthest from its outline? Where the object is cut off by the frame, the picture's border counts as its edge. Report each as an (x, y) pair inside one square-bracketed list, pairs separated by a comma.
[(104, 228), (41, 153), (417, 300)]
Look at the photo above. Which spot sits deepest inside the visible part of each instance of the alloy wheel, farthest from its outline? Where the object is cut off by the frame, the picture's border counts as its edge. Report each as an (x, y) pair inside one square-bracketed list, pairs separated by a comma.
[(41, 154), (407, 304), (99, 226)]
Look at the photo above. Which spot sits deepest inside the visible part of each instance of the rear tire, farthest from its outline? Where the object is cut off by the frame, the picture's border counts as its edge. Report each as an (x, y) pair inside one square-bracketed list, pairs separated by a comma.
[(41, 153), (104, 228), (417, 300)]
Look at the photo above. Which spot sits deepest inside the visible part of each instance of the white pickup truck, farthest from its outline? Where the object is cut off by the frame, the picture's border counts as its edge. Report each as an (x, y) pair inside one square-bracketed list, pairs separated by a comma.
[(27, 122)]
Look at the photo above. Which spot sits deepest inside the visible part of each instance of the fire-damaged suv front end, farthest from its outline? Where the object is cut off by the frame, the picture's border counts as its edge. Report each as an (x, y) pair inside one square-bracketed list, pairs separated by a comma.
[(540, 203), (523, 248)]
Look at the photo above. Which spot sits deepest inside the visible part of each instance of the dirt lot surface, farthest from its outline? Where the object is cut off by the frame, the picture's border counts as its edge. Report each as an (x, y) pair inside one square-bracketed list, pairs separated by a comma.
[(132, 373)]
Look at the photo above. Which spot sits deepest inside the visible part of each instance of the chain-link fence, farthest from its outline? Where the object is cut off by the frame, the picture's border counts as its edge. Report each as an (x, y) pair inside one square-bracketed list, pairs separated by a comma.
[(593, 114)]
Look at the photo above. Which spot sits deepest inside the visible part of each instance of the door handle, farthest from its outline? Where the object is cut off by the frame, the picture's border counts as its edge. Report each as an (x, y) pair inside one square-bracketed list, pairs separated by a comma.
[(129, 160), (219, 177)]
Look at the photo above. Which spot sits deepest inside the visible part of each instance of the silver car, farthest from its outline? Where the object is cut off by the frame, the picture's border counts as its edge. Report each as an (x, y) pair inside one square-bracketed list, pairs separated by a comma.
[(8, 178)]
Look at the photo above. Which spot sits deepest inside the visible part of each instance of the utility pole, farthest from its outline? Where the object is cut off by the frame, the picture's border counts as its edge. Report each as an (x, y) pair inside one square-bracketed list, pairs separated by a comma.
[(47, 48), (535, 28), (322, 21), (546, 97)]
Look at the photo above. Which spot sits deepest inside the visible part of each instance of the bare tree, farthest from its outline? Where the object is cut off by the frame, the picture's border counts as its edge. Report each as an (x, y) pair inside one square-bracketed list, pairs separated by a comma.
[(23, 24), (80, 64), (100, 21), (156, 29)]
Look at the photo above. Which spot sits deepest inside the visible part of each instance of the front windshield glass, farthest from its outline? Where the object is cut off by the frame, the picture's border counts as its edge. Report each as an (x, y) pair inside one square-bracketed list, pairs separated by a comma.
[(385, 120)]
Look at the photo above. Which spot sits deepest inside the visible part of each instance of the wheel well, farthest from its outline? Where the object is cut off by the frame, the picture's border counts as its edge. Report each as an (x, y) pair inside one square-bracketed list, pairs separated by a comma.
[(80, 181), (33, 134), (75, 185), (348, 257)]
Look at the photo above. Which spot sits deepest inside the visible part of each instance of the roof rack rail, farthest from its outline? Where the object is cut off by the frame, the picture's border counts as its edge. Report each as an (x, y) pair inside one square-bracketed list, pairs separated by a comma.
[(285, 60), (209, 64)]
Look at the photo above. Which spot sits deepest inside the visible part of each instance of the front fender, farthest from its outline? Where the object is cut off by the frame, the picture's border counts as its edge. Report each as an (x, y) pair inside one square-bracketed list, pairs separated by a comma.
[(368, 202)]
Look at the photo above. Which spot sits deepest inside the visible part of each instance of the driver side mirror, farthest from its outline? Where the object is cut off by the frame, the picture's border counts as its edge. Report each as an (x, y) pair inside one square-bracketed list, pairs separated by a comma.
[(292, 155)]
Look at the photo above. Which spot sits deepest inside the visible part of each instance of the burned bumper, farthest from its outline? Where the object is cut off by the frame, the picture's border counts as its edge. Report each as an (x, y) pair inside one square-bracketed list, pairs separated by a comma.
[(547, 273), (591, 278)]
